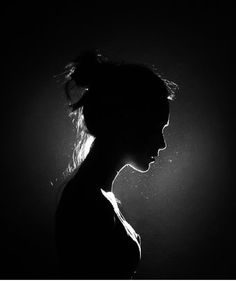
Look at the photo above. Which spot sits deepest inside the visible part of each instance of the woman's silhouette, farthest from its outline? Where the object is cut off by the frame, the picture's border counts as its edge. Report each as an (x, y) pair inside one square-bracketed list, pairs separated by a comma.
[(125, 108)]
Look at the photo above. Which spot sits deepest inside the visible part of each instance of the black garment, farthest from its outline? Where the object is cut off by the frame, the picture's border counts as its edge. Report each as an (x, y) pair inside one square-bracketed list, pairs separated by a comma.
[(93, 239)]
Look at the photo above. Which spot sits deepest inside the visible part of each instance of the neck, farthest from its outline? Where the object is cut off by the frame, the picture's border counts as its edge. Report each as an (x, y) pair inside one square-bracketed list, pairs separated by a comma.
[(102, 165)]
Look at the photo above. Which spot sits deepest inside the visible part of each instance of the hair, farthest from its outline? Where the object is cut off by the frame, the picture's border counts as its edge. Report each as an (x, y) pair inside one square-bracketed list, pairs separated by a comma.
[(107, 93)]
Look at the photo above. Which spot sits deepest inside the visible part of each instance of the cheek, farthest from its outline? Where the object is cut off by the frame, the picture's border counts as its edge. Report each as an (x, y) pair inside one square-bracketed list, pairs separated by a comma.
[(138, 145), (142, 141)]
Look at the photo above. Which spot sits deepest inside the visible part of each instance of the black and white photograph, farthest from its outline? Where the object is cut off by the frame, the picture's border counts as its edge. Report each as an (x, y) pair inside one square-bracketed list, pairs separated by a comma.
[(118, 141)]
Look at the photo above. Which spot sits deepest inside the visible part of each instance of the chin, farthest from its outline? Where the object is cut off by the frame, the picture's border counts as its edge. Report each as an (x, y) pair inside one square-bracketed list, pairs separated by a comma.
[(141, 167)]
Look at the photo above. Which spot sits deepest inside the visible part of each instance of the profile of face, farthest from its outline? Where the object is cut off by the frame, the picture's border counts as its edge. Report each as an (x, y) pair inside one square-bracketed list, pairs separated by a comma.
[(149, 148), (145, 142)]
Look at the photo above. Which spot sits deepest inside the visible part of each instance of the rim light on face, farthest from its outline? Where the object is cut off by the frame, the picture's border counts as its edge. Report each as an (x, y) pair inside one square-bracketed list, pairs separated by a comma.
[(152, 159)]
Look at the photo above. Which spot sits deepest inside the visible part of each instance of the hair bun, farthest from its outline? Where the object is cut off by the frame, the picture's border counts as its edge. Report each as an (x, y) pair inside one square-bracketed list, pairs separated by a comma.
[(85, 67), (82, 72)]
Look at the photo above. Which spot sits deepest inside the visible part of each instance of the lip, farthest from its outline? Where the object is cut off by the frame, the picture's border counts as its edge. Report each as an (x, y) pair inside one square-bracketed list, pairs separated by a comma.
[(152, 160)]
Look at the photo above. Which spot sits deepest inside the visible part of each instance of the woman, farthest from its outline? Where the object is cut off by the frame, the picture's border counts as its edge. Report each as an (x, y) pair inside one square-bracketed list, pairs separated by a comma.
[(123, 108)]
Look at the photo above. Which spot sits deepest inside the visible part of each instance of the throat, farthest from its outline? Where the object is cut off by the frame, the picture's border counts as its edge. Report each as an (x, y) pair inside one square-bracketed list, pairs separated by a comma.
[(101, 168)]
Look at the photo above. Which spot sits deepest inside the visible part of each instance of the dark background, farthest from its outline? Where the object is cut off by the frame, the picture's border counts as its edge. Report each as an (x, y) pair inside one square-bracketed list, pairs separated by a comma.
[(184, 206)]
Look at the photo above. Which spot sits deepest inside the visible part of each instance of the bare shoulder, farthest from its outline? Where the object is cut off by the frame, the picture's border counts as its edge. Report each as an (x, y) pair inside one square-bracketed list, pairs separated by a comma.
[(87, 207)]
